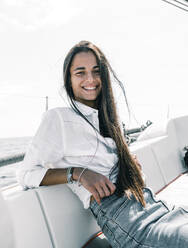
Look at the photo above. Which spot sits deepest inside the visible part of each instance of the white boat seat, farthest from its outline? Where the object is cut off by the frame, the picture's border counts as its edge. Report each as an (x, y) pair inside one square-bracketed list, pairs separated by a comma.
[(50, 217), (69, 223), (162, 157), (6, 226)]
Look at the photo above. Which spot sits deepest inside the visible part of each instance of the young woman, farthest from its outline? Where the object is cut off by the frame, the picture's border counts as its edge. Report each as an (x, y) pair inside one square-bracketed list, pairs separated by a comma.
[(83, 145)]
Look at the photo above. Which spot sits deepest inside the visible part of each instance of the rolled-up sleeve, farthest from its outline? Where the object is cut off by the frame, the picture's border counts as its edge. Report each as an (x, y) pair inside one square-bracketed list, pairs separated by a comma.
[(45, 150)]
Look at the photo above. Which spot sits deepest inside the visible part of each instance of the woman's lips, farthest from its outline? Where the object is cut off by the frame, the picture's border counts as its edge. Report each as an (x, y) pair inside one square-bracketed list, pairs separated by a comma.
[(89, 88)]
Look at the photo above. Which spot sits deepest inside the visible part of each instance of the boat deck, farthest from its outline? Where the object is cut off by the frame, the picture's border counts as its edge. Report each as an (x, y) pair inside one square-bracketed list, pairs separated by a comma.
[(176, 193)]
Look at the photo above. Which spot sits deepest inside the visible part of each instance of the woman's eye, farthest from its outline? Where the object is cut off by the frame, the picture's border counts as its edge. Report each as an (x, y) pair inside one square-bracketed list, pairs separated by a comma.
[(80, 73), (97, 72)]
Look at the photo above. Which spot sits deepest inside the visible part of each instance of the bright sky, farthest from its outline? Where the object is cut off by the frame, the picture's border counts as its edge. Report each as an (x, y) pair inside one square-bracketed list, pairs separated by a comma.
[(145, 41)]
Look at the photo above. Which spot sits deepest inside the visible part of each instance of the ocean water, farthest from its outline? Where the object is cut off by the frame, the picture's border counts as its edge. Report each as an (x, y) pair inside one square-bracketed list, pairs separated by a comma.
[(13, 146), (10, 147)]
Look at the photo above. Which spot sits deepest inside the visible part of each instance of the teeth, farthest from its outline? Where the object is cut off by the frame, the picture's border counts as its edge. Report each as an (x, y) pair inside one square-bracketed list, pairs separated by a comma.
[(89, 88)]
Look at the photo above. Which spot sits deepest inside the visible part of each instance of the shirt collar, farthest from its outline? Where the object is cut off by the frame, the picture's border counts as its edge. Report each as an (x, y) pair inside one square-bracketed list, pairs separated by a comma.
[(86, 110)]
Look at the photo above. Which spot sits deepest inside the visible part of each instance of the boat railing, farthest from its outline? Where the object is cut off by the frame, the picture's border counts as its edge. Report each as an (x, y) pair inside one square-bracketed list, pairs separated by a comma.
[(11, 159), (132, 134)]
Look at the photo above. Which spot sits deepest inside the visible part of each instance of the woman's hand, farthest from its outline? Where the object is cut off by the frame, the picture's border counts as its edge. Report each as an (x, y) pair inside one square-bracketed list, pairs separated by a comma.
[(98, 185)]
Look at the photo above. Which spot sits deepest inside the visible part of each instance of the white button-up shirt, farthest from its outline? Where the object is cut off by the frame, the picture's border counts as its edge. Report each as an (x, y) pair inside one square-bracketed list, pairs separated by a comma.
[(64, 139)]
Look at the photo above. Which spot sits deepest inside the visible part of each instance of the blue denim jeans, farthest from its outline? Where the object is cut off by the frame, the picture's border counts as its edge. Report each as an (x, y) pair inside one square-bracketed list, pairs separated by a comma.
[(127, 224)]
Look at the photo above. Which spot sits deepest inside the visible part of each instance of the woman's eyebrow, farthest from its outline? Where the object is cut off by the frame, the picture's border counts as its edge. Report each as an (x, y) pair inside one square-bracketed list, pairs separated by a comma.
[(82, 68), (79, 68)]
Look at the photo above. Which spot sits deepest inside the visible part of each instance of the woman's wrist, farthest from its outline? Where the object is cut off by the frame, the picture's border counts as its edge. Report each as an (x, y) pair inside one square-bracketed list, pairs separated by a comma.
[(76, 173), (79, 179)]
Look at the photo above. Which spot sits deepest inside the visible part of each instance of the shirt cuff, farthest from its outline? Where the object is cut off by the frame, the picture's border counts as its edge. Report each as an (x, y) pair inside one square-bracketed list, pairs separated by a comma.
[(32, 178)]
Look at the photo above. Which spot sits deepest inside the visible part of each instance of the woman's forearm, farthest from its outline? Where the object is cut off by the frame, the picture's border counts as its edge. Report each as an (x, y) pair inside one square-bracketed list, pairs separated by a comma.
[(54, 176), (59, 176), (98, 185)]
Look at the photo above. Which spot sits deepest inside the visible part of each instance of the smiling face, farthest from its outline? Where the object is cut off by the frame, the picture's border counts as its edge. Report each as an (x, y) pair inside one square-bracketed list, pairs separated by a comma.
[(85, 78)]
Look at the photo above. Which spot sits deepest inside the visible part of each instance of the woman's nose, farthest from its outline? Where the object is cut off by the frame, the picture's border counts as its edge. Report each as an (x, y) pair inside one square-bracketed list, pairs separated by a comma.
[(89, 77)]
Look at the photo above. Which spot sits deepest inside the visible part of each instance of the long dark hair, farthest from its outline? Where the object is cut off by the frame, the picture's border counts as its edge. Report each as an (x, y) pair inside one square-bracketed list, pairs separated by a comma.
[(129, 178)]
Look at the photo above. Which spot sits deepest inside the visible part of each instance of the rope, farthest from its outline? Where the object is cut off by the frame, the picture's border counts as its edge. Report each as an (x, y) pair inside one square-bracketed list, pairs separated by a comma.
[(177, 5)]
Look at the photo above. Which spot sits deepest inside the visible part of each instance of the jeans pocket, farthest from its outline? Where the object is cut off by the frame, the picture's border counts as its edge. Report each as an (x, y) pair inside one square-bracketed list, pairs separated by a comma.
[(120, 208)]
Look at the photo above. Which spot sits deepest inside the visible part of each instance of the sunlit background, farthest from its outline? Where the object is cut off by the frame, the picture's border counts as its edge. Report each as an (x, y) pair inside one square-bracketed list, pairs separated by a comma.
[(145, 42)]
